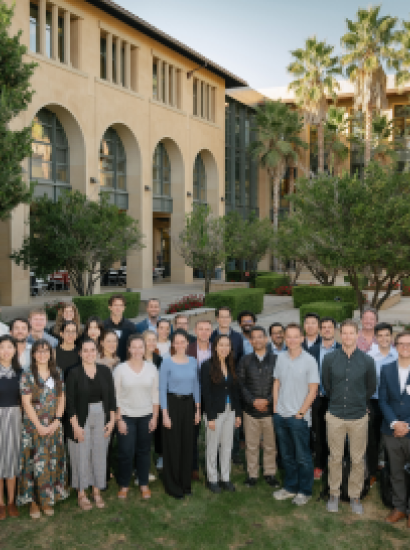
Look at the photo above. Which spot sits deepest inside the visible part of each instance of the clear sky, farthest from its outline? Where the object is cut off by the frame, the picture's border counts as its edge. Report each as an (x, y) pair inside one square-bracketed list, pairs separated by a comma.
[(253, 38)]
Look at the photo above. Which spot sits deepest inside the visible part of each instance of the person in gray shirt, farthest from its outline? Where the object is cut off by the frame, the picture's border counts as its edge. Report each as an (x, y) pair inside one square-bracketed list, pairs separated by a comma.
[(294, 390)]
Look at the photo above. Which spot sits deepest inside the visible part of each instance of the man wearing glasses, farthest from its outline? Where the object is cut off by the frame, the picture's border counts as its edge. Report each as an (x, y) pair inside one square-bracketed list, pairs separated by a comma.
[(277, 336), (246, 320)]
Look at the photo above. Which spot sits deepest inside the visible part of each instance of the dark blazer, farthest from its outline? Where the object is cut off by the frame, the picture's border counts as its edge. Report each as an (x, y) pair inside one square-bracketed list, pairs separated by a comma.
[(256, 382), (394, 404), (236, 342), (215, 394), (77, 396), (192, 350), (317, 342), (315, 352)]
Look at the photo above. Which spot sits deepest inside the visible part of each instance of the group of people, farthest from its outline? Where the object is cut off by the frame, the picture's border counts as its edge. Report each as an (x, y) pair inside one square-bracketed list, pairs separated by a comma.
[(112, 386)]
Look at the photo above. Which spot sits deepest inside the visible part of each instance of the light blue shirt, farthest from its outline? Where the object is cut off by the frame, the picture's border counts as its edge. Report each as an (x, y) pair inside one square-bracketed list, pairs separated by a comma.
[(381, 360), (247, 346), (151, 326), (324, 351), (276, 351), (46, 336), (181, 379)]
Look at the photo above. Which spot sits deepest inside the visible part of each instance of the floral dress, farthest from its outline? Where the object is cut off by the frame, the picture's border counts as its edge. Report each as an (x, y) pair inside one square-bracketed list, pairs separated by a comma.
[(42, 459)]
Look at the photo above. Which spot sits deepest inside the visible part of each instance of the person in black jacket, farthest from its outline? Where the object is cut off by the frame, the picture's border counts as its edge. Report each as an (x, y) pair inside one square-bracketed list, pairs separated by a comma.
[(255, 373), (311, 326), (90, 413), (123, 327), (220, 390)]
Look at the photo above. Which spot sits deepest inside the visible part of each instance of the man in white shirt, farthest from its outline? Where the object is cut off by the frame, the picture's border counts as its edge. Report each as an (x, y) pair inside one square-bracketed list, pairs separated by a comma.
[(19, 329)]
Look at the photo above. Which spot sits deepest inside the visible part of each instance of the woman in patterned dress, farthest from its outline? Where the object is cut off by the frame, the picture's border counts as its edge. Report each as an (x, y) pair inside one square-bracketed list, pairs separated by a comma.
[(42, 458)]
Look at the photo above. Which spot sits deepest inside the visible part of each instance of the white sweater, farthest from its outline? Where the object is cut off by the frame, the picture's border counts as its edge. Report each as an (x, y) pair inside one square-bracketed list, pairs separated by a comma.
[(136, 393)]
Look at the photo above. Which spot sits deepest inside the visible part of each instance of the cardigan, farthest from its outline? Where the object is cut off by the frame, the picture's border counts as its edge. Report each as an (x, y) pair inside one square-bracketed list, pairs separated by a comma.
[(77, 396), (214, 395)]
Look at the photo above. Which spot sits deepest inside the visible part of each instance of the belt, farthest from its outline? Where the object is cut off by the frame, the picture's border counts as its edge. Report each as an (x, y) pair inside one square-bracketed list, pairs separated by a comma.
[(179, 396)]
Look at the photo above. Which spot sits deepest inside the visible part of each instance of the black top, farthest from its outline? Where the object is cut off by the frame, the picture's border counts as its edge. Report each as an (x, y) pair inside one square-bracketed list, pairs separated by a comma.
[(78, 395), (215, 395), (349, 383), (9, 388), (124, 329), (256, 382), (317, 342), (94, 389), (157, 360), (66, 359)]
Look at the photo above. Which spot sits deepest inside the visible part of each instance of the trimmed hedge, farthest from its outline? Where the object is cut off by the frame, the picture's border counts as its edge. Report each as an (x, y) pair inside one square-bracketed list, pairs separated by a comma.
[(271, 282), (237, 300), (98, 305), (234, 276), (308, 294), (338, 310), (363, 281)]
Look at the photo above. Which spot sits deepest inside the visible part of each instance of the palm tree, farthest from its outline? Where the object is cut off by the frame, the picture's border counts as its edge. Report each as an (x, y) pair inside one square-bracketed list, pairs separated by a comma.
[(336, 126), (315, 68), (369, 43)]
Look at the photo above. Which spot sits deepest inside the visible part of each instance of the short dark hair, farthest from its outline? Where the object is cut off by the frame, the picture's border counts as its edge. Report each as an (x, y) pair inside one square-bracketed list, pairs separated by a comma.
[(164, 321), (20, 320), (400, 335), (117, 297), (223, 308), (67, 323), (311, 314), (294, 325), (246, 313), (258, 328), (383, 326), (181, 316), (153, 300), (273, 325), (179, 332), (88, 341), (327, 320)]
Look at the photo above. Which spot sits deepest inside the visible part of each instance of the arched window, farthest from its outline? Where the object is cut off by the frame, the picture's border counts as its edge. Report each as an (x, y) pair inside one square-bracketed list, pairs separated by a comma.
[(113, 168), (161, 177), (50, 158), (199, 180)]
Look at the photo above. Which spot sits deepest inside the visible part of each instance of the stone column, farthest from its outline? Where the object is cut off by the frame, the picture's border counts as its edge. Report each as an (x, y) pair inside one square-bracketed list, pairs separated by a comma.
[(54, 32), (67, 38), (127, 65), (42, 25), (119, 64), (109, 56)]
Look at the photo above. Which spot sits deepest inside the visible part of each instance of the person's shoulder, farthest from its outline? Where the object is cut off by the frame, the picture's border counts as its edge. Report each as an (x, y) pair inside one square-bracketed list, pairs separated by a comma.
[(308, 358), (149, 365), (389, 367), (314, 351), (103, 369), (127, 323)]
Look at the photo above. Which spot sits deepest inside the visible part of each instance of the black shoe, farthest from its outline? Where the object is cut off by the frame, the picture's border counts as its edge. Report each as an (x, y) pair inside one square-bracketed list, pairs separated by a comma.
[(251, 481), (214, 487), (272, 481), (188, 492), (228, 486), (178, 497)]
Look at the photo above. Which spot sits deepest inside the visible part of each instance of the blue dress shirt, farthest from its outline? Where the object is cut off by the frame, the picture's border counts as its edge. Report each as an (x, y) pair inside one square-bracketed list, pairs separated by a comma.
[(247, 346), (323, 352), (381, 360), (178, 378)]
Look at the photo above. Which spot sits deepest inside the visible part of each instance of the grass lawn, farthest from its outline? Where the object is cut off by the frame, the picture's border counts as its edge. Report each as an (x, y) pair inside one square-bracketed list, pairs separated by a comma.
[(248, 518)]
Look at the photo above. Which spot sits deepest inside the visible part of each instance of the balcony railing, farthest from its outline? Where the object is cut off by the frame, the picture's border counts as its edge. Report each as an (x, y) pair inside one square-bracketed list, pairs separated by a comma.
[(161, 203), (117, 197)]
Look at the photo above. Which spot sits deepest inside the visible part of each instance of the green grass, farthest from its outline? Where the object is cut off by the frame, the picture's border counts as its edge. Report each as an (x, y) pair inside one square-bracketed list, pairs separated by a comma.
[(248, 518)]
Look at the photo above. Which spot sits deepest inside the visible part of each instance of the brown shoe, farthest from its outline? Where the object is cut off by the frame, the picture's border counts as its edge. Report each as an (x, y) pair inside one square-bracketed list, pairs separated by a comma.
[(123, 493), (12, 511), (195, 475), (395, 516), (47, 510), (145, 493), (373, 480), (35, 511), (2, 512)]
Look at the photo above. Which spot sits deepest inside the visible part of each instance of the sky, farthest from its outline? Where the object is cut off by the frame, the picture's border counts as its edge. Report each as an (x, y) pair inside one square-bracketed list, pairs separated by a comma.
[(253, 38)]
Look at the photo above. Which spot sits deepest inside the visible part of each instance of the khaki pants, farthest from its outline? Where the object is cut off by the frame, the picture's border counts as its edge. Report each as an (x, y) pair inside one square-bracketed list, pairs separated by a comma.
[(356, 430), (255, 428)]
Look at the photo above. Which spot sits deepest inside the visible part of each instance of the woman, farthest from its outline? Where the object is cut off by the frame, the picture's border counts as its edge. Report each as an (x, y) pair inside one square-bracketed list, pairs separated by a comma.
[(94, 330), (67, 312), (180, 404), (66, 352), (136, 386), (10, 423), (163, 343), (90, 420), (42, 458), (151, 354), (109, 345), (221, 400)]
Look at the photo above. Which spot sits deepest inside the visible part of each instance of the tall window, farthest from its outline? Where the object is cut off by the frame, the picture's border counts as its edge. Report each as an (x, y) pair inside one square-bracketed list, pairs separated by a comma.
[(49, 34), (61, 54), (49, 163), (228, 153), (163, 82), (34, 29), (114, 63), (161, 172), (195, 97), (402, 136), (155, 79), (113, 168), (199, 180), (103, 57), (123, 66), (171, 85)]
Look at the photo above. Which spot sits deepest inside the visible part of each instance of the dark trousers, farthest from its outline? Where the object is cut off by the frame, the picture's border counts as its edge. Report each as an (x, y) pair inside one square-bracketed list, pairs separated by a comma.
[(136, 444), (294, 442), (398, 451), (158, 435), (320, 447), (195, 452), (375, 423), (177, 443)]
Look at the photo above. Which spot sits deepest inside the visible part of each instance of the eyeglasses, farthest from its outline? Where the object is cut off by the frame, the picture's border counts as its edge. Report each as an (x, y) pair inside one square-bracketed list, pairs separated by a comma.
[(403, 345)]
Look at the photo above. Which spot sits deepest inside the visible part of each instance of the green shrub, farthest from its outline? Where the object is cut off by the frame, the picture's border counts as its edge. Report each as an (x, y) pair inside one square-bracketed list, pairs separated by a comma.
[(271, 282), (234, 276), (98, 305), (308, 294), (237, 300), (338, 310), (363, 281)]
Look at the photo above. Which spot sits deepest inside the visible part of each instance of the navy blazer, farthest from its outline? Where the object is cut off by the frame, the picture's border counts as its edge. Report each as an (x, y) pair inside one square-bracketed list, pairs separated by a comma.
[(315, 352), (318, 341), (394, 404), (236, 341)]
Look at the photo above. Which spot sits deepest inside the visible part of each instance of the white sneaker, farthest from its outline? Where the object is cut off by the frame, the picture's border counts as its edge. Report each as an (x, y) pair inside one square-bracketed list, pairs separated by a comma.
[(151, 477), (136, 481), (283, 494), (160, 463), (301, 499)]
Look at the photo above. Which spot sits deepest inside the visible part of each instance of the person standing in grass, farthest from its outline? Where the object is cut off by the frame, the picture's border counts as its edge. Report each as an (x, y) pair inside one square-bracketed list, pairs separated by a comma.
[(221, 393), (136, 388), (294, 390), (117, 322)]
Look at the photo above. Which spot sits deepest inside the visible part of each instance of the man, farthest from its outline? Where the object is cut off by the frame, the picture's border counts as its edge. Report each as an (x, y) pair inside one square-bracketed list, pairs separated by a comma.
[(116, 322), (369, 318), (394, 400), (383, 353), (38, 323), (153, 316), (320, 404), (182, 321), (294, 390), (224, 318), (246, 320), (311, 327), (277, 335), (201, 351), (19, 329), (255, 374), (349, 380)]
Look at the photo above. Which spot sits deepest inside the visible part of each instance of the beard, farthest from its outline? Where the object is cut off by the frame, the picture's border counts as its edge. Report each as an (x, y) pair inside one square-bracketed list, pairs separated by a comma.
[(246, 329), (20, 340)]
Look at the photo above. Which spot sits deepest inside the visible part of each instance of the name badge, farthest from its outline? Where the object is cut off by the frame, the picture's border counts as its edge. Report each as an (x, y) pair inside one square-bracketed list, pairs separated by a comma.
[(408, 390), (50, 383), (118, 333)]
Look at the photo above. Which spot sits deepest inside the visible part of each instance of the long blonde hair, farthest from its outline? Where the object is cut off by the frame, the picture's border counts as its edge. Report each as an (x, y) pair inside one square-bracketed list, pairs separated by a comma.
[(58, 327)]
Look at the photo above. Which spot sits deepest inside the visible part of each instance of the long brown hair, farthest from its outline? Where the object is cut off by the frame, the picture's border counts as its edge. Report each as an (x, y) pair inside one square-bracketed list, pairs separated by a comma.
[(216, 370), (58, 327), (52, 367)]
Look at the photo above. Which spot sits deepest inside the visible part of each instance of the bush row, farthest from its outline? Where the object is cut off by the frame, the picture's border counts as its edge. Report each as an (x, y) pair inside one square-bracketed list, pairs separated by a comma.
[(338, 310), (308, 294), (234, 276), (237, 300), (271, 282), (98, 305)]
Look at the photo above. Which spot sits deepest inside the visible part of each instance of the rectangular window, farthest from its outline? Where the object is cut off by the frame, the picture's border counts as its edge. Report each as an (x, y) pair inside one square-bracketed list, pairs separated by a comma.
[(134, 69), (61, 55), (163, 83), (103, 58), (171, 85), (195, 97), (34, 29), (178, 89), (202, 99), (114, 62), (123, 66), (155, 79), (49, 34), (402, 136), (238, 179)]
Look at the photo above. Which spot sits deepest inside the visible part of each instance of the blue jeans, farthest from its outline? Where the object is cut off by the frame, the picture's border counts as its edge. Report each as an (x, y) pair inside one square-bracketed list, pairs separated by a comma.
[(137, 443), (294, 443)]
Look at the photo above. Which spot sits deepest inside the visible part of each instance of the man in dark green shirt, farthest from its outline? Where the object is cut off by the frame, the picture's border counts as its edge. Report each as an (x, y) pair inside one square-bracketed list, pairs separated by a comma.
[(349, 379)]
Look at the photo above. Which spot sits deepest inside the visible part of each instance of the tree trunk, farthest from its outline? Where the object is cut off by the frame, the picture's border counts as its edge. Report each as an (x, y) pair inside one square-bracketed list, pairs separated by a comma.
[(291, 178), (368, 138), (207, 282), (276, 195), (321, 146)]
